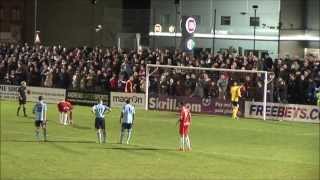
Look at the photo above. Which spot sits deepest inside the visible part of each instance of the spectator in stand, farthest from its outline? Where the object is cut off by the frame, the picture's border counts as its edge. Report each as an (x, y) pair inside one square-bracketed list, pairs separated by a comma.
[(97, 69), (76, 80), (129, 85), (213, 90), (164, 84), (113, 82), (198, 91), (48, 77), (223, 85), (281, 91), (32, 76), (121, 83), (180, 89)]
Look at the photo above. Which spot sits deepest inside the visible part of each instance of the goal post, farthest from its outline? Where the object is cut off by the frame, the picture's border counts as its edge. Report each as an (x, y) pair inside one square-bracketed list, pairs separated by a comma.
[(157, 71)]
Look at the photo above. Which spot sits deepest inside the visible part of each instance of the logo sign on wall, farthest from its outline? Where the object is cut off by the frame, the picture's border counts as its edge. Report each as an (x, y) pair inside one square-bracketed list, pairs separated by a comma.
[(171, 29), (191, 25), (190, 44), (157, 28)]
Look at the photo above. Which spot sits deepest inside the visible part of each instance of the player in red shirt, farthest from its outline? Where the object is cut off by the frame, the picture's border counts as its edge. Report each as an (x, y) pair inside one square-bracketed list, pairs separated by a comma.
[(65, 109), (184, 124)]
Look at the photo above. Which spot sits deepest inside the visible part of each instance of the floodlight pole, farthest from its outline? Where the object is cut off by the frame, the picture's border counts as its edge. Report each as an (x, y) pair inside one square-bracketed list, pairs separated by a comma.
[(175, 28), (255, 7), (254, 30), (35, 17), (214, 30), (279, 29)]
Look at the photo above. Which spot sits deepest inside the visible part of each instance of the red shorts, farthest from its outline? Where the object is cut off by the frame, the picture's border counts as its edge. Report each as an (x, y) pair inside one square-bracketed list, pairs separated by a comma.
[(183, 130)]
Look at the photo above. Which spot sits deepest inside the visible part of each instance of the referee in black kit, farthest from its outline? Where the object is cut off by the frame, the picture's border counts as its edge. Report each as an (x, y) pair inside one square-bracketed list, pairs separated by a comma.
[(22, 98)]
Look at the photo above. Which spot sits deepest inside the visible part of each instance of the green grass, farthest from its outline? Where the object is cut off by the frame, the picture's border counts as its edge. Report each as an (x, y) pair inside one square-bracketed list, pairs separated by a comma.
[(222, 148)]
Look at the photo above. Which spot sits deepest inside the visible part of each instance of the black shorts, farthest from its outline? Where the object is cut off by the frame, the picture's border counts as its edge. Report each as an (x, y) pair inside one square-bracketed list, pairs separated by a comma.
[(99, 123), (235, 103), (39, 123), (126, 126), (22, 101)]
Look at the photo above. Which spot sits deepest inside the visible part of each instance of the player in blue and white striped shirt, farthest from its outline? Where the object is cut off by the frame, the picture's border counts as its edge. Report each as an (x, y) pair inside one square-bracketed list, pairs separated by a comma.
[(40, 111), (99, 111), (126, 120)]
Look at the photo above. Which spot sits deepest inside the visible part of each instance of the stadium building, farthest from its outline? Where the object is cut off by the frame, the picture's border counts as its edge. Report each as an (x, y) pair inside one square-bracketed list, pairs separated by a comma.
[(220, 24), (229, 24)]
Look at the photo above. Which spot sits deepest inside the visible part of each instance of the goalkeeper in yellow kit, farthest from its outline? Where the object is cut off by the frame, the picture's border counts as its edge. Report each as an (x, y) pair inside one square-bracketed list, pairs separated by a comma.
[(235, 96)]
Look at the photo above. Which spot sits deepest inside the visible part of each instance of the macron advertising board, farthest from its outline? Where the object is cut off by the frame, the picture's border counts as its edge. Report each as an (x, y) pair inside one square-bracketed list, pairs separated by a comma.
[(118, 99)]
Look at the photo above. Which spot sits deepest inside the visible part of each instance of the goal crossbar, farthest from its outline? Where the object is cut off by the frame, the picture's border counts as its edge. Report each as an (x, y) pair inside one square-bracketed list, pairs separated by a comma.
[(208, 69)]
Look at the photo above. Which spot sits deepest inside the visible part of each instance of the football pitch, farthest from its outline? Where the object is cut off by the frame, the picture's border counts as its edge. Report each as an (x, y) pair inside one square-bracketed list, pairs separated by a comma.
[(222, 148)]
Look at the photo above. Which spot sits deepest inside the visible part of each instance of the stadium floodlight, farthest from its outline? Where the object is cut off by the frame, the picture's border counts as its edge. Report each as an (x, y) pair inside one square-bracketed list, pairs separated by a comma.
[(94, 2), (154, 70), (255, 7), (98, 28), (37, 38)]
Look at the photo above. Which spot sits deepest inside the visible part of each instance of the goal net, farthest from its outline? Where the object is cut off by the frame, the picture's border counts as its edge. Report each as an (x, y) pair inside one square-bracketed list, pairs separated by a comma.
[(207, 90)]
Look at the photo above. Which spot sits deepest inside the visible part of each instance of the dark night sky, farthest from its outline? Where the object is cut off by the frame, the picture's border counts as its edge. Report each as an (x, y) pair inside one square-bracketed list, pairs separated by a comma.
[(136, 4)]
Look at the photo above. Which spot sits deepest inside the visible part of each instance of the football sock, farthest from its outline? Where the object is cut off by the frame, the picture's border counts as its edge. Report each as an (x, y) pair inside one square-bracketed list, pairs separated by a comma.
[(182, 145), (37, 135), (129, 136), (104, 136), (45, 134), (65, 118), (98, 136), (24, 111), (70, 118), (234, 112), (188, 142), (18, 110), (121, 136), (61, 118)]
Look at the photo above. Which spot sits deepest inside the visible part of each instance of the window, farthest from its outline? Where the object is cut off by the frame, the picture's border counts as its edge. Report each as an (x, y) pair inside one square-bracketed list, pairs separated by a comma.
[(254, 21), (2, 13), (165, 20), (15, 14), (225, 20)]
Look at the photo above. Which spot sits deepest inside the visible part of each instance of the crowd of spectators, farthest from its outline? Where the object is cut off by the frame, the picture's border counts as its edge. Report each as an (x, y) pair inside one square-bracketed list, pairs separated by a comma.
[(292, 80)]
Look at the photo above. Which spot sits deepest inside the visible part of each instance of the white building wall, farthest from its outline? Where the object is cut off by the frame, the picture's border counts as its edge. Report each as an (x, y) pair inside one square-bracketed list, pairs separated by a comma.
[(268, 11), (296, 16)]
